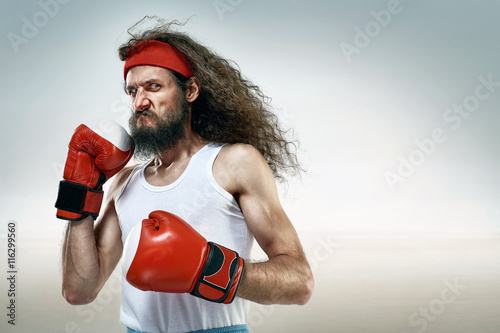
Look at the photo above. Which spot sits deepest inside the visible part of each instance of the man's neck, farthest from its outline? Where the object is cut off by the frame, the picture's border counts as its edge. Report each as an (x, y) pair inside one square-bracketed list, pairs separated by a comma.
[(184, 149)]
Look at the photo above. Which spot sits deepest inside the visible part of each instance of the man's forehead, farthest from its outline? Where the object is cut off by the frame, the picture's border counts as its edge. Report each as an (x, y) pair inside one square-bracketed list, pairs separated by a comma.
[(139, 75)]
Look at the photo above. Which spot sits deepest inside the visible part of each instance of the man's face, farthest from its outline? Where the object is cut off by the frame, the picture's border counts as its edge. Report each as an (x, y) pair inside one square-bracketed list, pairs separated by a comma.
[(160, 110)]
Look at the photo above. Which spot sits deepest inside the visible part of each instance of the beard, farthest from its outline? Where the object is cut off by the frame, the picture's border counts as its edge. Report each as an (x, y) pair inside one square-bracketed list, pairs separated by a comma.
[(167, 132)]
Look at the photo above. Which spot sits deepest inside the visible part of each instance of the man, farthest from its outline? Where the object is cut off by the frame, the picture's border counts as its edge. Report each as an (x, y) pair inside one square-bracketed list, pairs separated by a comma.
[(212, 151)]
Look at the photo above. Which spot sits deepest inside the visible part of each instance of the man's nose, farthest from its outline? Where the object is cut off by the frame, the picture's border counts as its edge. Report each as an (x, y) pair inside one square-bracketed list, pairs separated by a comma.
[(141, 101)]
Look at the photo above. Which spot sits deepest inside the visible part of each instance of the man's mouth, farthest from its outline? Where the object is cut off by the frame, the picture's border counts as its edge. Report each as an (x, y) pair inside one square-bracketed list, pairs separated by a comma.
[(144, 118)]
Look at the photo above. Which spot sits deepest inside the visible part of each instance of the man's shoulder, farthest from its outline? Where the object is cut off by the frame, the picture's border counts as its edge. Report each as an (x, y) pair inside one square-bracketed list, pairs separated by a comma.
[(235, 166), (240, 153), (242, 161)]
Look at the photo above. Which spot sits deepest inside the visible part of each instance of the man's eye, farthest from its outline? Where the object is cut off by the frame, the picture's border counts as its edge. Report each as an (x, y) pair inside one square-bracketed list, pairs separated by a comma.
[(132, 92), (154, 86)]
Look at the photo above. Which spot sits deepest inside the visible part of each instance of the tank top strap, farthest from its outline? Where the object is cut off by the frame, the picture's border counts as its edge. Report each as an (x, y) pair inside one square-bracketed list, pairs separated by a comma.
[(135, 172)]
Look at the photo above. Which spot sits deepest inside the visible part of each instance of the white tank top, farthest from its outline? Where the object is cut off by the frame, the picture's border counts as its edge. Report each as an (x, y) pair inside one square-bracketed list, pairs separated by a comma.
[(197, 198)]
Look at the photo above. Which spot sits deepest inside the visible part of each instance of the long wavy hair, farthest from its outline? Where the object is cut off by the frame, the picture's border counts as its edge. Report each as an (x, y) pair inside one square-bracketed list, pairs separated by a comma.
[(229, 108)]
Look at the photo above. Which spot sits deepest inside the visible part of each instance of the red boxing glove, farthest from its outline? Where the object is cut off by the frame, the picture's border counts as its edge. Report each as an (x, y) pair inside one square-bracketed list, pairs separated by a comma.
[(96, 153), (164, 253)]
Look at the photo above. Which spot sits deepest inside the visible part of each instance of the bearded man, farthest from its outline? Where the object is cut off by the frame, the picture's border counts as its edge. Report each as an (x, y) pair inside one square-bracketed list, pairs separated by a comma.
[(185, 219)]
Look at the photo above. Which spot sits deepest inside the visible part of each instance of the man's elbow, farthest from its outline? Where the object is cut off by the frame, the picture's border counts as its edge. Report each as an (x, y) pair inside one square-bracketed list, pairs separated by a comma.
[(307, 289), (75, 298)]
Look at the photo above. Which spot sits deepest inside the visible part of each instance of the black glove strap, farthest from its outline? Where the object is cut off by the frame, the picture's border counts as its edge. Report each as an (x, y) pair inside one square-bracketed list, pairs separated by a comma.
[(72, 196)]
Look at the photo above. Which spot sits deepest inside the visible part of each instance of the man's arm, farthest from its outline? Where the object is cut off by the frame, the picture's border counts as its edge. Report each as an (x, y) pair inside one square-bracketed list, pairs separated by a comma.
[(90, 254), (286, 277)]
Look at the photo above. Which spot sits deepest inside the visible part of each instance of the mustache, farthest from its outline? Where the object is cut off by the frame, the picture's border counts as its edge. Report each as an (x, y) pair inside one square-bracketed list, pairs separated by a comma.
[(146, 112)]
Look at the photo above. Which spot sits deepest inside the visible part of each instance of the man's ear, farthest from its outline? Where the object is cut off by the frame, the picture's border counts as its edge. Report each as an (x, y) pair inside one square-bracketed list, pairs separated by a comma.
[(192, 89)]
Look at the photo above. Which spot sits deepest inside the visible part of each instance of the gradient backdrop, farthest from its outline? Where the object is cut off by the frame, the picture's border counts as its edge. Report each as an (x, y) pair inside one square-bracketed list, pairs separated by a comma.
[(395, 103)]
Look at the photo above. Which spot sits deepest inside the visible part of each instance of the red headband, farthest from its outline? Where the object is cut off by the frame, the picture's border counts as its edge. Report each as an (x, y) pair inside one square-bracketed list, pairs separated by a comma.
[(156, 53)]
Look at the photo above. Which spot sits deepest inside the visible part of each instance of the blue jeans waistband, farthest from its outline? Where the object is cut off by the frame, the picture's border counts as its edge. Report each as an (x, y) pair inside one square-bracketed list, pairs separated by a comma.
[(229, 329)]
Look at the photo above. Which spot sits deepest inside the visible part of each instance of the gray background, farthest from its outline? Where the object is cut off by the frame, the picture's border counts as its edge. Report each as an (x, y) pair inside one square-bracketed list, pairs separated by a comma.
[(380, 252)]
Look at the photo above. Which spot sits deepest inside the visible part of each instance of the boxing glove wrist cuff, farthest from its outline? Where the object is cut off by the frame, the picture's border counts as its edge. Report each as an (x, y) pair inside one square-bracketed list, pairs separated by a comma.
[(76, 201), (236, 283), (221, 275)]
